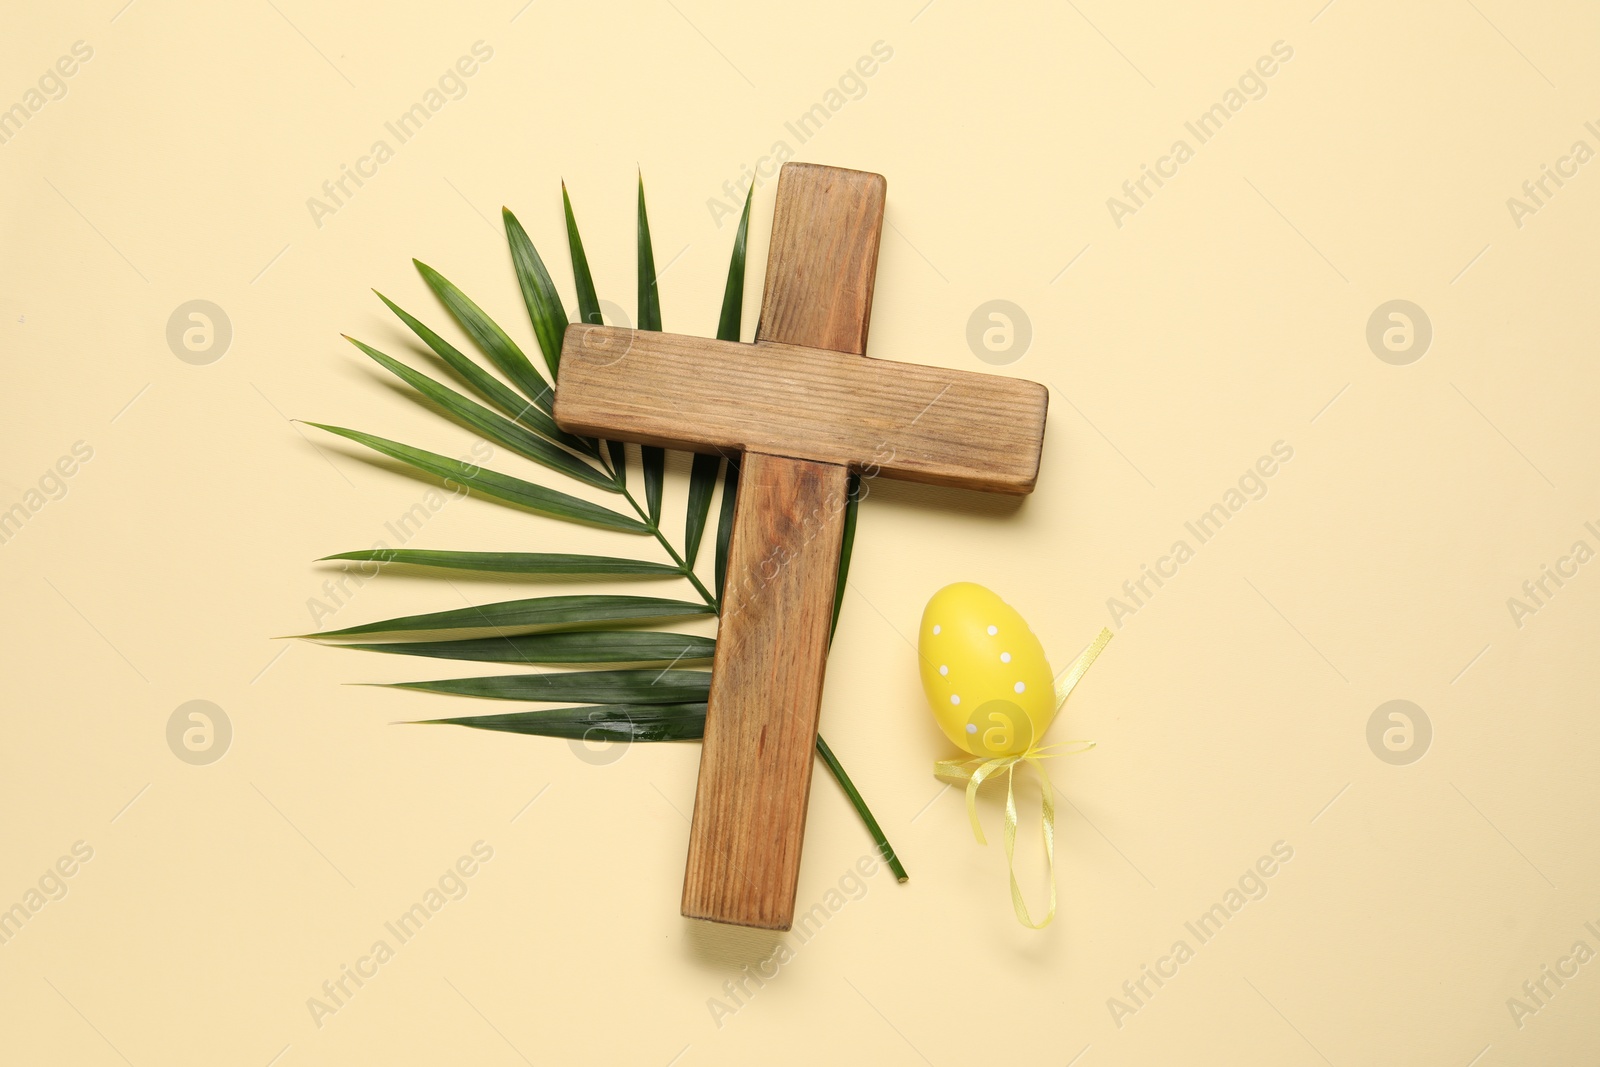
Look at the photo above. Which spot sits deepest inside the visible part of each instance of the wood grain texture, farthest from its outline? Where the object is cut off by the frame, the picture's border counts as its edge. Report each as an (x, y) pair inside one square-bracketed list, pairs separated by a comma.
[(805, 406), (766, 693), (823, 260), (901, 420), (783, 563)]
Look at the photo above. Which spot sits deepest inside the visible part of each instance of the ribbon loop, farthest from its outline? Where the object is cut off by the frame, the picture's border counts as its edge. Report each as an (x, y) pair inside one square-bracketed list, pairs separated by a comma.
[(975, 771)]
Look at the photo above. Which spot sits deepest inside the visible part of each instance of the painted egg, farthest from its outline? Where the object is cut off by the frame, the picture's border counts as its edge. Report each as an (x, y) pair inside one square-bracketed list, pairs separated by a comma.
[(984, 672)]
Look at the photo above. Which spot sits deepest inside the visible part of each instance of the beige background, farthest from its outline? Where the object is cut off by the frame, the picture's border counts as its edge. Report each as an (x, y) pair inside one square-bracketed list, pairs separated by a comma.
[(1227, 314)]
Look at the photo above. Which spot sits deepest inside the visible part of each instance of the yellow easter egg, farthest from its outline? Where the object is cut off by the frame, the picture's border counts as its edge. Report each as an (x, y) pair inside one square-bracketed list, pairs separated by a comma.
[(984, 672)]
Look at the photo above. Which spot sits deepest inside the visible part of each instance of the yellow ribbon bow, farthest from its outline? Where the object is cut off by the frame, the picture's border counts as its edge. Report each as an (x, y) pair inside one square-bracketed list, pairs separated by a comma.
[(975, 771)]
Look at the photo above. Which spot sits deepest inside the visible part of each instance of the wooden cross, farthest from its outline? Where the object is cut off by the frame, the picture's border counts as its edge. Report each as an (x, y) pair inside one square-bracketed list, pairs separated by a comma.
[(804, 406)]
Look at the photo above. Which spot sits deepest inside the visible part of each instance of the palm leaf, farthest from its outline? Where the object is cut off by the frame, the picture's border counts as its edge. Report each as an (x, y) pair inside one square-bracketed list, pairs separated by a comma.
[(553, 563), (653, 460), (569, 630), (533, 615), (730, 495), (846, 545), (860, 804), (612, 722), (733, 292), (626, 686), (559, 649), (549, 318), (703, 472), (649, 296), (702, 480), (588, 301), (502, 487), (619, 461), (487, 334), (589, 311), (491, 426), (488, 386)]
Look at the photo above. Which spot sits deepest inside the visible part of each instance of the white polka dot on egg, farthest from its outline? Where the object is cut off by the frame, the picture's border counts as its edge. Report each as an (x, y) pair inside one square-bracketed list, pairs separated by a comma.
[(955, 699), (993, 630), (1005, 657), (972, 728), (935, 628), (1020, 687), (943, 669)]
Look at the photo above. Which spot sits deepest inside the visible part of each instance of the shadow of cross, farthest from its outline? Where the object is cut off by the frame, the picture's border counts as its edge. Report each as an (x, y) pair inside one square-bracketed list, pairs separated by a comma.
[(805, 406)]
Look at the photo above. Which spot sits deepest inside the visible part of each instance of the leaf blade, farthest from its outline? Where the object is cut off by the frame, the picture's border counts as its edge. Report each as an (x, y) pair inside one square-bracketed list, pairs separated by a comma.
[(703, 472), (488, 386), (539, 294), (649, 295), (702, 481), (625, 686), (531, 615), (730, 494), (488, 336), (615, 722), (562, 649), (491, 426), (588, 301), (733, 293), (846, 546), (589, 311), (619, 461), (496, 486), (552, 563), (653, 460)]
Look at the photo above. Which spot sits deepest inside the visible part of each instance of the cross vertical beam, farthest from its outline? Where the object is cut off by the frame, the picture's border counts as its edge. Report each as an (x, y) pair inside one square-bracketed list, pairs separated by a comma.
[(772, 640)]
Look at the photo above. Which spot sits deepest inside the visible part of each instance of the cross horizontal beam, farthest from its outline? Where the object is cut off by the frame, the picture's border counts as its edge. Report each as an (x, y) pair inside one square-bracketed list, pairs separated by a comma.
[(899, 420)]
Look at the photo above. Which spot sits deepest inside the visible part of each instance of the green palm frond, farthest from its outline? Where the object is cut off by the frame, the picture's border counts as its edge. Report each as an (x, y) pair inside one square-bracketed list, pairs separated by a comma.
[(623, 686), (489, 387), (730, 494), (589, 310), (652, 460), (588, 300), (549, 318), (566, 649), (560, 564), (606, 722), (494, 341), (644, 691), (546, 614), (501, 487), (851, 506), (490, 426)]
